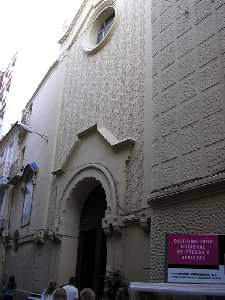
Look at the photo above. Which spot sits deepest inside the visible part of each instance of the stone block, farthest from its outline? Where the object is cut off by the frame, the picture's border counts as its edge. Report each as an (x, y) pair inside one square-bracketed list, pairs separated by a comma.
[(156, 109), (205, 28), (169, 98), (155, 86), (186, 65), (213, 128), (202, 9), (215, 157), (222, 40), (169, 122), (167, 18), (167, 56), (168, 77), (156, 131), (156, 153), (183, 25), (167, 36), (155, 13), (155, 46), (223, 58), (190, 112), (191, 166), (182, 7), (155, 29), (155, 2), (188, 87), (169, 147), (185, 43), (165, 5), (190, 138), (208, 51), (219, 3), (156, 65), (156, 182), (209, 75), (211, 100), (170, 172), (220, 14)]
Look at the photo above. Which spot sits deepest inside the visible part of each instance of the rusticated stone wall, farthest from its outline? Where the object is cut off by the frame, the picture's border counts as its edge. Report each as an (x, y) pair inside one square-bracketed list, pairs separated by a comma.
[(107, 89), (197, 215), (188, 117)]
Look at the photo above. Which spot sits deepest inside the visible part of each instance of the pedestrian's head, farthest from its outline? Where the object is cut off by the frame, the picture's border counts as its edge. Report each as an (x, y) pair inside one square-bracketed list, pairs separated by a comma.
[(72, 280), (51, 287), (60, 294), (87, 294)]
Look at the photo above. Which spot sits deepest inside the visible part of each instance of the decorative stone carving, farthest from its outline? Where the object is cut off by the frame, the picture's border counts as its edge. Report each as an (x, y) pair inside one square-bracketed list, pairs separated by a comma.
[(145, 220), (112, 225), (41, 235)]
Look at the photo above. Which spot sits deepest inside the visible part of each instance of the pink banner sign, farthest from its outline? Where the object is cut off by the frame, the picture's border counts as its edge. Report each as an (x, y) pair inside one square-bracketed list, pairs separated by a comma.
[(193, 249)]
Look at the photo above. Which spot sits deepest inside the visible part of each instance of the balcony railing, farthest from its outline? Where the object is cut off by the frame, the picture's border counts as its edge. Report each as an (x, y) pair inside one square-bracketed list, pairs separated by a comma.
[(14, 172)]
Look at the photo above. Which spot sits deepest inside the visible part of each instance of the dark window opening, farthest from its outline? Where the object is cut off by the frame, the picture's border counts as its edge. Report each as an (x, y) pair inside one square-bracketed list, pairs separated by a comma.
[(105, 28)]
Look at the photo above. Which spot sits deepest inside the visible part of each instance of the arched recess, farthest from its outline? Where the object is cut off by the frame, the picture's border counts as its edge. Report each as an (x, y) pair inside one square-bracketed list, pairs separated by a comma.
[(84, 174), (72, 201)]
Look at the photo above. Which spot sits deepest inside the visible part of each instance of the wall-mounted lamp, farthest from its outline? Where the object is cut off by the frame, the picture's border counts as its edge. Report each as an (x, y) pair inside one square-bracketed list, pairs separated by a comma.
[(28, 129)]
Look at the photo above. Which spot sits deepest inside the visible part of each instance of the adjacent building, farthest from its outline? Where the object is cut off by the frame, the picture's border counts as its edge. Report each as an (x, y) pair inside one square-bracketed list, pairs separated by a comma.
[(5, 83), (125, 144)]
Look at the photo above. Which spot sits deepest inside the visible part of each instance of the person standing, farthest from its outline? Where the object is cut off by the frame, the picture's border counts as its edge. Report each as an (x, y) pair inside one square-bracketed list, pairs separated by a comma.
[(9, 289), (87, 294), (48, 293), (71, 290), (60, 294)]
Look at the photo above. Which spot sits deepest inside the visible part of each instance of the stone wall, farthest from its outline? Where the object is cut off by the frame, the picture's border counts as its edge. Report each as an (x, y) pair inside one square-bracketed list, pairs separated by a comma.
[(192, 214), (188, 115)]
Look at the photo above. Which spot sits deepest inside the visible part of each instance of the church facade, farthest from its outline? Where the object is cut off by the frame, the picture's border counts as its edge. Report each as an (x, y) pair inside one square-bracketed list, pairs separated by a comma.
[(136, 142)]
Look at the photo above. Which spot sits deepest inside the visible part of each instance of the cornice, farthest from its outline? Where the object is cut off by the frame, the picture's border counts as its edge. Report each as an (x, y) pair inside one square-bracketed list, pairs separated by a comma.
[(110, 139), (194, 188), (107, 136), (95, 5), (70, 28)]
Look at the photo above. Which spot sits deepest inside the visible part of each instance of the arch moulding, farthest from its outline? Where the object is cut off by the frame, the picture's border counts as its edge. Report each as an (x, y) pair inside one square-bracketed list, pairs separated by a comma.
[(99, 173)]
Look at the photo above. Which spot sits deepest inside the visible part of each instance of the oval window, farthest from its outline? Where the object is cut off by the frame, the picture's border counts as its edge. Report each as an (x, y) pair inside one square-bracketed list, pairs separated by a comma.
[(101, 30)]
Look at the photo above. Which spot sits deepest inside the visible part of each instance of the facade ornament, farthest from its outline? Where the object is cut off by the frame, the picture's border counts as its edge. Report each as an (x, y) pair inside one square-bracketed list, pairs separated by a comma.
[(112, 224), (145, 221), (41, 235), (53, 236)]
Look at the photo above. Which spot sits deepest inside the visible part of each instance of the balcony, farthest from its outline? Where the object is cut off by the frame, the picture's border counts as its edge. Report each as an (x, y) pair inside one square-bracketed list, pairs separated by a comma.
[(14, 173), (3, 178)]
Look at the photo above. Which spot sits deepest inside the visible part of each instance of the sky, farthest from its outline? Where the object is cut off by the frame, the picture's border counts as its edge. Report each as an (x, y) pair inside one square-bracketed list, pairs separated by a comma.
[(32, 28)]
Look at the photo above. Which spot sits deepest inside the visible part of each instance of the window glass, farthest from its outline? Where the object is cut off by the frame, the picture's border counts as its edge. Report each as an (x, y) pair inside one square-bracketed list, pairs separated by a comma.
[(105, 28)]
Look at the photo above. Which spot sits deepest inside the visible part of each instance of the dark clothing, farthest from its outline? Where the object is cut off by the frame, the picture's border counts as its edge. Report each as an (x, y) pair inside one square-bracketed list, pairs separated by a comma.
[(8, 294)]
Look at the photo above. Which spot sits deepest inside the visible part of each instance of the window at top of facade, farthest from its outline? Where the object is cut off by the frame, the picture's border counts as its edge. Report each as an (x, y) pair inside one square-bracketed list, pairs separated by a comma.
[(105, 28)]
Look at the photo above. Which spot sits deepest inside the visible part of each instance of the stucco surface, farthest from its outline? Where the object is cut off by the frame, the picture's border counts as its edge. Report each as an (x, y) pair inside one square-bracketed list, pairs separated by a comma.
[(199, 215), (107, 89), (188, 116)]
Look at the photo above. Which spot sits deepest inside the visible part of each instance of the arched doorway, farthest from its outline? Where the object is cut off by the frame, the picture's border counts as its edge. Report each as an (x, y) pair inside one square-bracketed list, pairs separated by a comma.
[(91, 260)]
